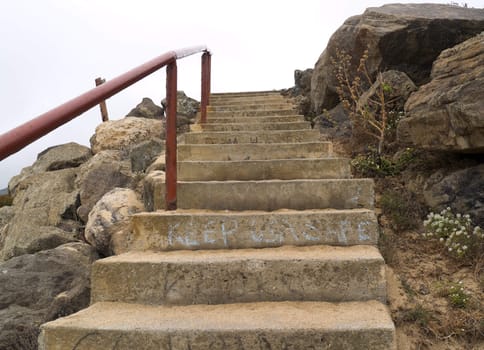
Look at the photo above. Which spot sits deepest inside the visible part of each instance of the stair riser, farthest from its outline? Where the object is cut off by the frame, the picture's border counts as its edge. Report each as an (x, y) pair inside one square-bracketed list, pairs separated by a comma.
[(288, 136), (162, 231), (269, 119), (288, 169), (249, 101), (247, 94), (102, 339), (249, 107), (251, 126), (264, 195), (253, 151), (268, 112), (232, 280)]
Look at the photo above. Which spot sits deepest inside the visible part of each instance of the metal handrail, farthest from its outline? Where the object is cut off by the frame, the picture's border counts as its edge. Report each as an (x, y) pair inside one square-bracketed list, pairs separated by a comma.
[(23, 135)]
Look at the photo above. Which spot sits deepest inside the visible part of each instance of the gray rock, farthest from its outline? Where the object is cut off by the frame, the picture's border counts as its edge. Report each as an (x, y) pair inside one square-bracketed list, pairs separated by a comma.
[(42, 203), (108, 228), (335, 122), (69, 155), (103, 172), (146, 109), (187, 109), (447, 113), (6, 214), (143, 154), (123, 134), (403, 37), (36, 288), (462, 190)]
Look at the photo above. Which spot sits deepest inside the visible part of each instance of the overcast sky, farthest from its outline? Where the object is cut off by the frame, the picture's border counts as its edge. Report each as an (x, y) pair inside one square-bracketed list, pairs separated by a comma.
[(52, 50)]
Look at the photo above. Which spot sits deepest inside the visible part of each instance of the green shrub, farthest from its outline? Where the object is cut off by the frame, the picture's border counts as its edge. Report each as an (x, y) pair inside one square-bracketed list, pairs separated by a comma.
[(402, 209), (373, 164)]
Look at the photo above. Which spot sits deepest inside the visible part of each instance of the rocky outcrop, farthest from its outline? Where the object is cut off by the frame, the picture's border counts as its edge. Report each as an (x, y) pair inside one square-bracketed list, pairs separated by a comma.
[(144, 154), (108, 225), (301, 91), (105, 171), (146, 109), (36, 288), (447, 113), (461, 190), (404, 37), (187, 109), (124, 133)]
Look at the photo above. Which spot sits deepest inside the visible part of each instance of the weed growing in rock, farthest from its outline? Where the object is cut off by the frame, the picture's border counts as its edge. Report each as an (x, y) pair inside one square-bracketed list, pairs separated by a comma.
[(370, 114), (373, 164), (400, 206), (456, 232)]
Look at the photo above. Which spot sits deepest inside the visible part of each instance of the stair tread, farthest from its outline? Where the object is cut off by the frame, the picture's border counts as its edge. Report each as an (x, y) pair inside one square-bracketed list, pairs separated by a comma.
[(309, 253), (240, 316)]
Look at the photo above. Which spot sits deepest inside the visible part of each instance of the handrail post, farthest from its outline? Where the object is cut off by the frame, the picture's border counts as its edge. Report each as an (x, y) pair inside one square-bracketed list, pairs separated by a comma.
[(170, 151), (102, 104), (205, 98)]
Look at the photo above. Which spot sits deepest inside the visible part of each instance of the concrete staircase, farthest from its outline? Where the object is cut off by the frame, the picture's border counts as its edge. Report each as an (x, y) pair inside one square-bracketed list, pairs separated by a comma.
[(273, 247)]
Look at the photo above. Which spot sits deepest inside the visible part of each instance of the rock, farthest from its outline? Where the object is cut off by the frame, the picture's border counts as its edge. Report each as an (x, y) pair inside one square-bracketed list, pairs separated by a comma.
[(44, 203), (158, 164), (462, 190), (6, 214), (69, 155), (143, 154), (108, 228), (124, 133), (447, 113), (187, 109), (334, 122), (404, 37), (103, 172), (146, 109), (36, 288)]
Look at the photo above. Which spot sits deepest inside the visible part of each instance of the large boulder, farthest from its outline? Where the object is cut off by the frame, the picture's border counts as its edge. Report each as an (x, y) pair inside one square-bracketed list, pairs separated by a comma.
[(404, 37), (124, 133), (103, 172), (45, 216), (69, 155), (36, 288), (146, 109), (108, 226), (186, 111), (462, 190), (447, 113)]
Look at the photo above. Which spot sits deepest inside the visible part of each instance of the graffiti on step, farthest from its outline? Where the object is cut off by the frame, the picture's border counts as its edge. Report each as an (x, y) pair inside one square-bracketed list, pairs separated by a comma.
[(227, 233)]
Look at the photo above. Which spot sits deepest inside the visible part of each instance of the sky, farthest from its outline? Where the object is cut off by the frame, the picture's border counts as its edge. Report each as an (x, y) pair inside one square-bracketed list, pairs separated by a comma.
[(52, 51)]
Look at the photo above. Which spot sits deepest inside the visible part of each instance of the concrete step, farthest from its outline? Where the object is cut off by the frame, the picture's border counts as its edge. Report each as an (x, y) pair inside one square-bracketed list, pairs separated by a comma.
[(266, 195), (252, 126), (282, 169), (252, 113), (184, 277), (282, 325), (194, 229), (250, 107), (250, 100), (266, 119), (254, 151), (244, 94), (233, 137)]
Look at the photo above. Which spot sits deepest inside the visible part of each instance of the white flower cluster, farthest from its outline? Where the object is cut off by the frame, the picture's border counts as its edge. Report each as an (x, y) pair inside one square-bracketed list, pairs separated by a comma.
[(454, 231), (457, 295)]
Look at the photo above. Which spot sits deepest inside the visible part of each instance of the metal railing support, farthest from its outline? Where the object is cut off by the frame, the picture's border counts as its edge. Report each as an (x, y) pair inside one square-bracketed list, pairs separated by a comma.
[(170, 149), (205, 97), (102, 104)]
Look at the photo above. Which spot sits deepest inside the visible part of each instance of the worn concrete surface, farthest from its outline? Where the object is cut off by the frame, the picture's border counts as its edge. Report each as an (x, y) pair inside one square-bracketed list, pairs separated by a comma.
[(254, 151), (195, 229), (265, 195), (242, 125), (234, 137), (315, 273), (288, 325)]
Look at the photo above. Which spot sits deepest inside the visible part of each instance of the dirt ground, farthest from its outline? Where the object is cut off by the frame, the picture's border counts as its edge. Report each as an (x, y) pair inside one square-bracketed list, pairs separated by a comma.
[(419, 275)]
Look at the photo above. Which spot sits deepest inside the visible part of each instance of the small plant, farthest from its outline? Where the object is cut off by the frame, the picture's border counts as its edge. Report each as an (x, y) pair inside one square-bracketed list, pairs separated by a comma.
[(371, 115), (456, 294), (455, 232), (402, 209), (373, 164)]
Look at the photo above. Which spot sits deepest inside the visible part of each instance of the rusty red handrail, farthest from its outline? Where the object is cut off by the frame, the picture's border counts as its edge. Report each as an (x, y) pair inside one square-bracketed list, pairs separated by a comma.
[(23, 135)]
